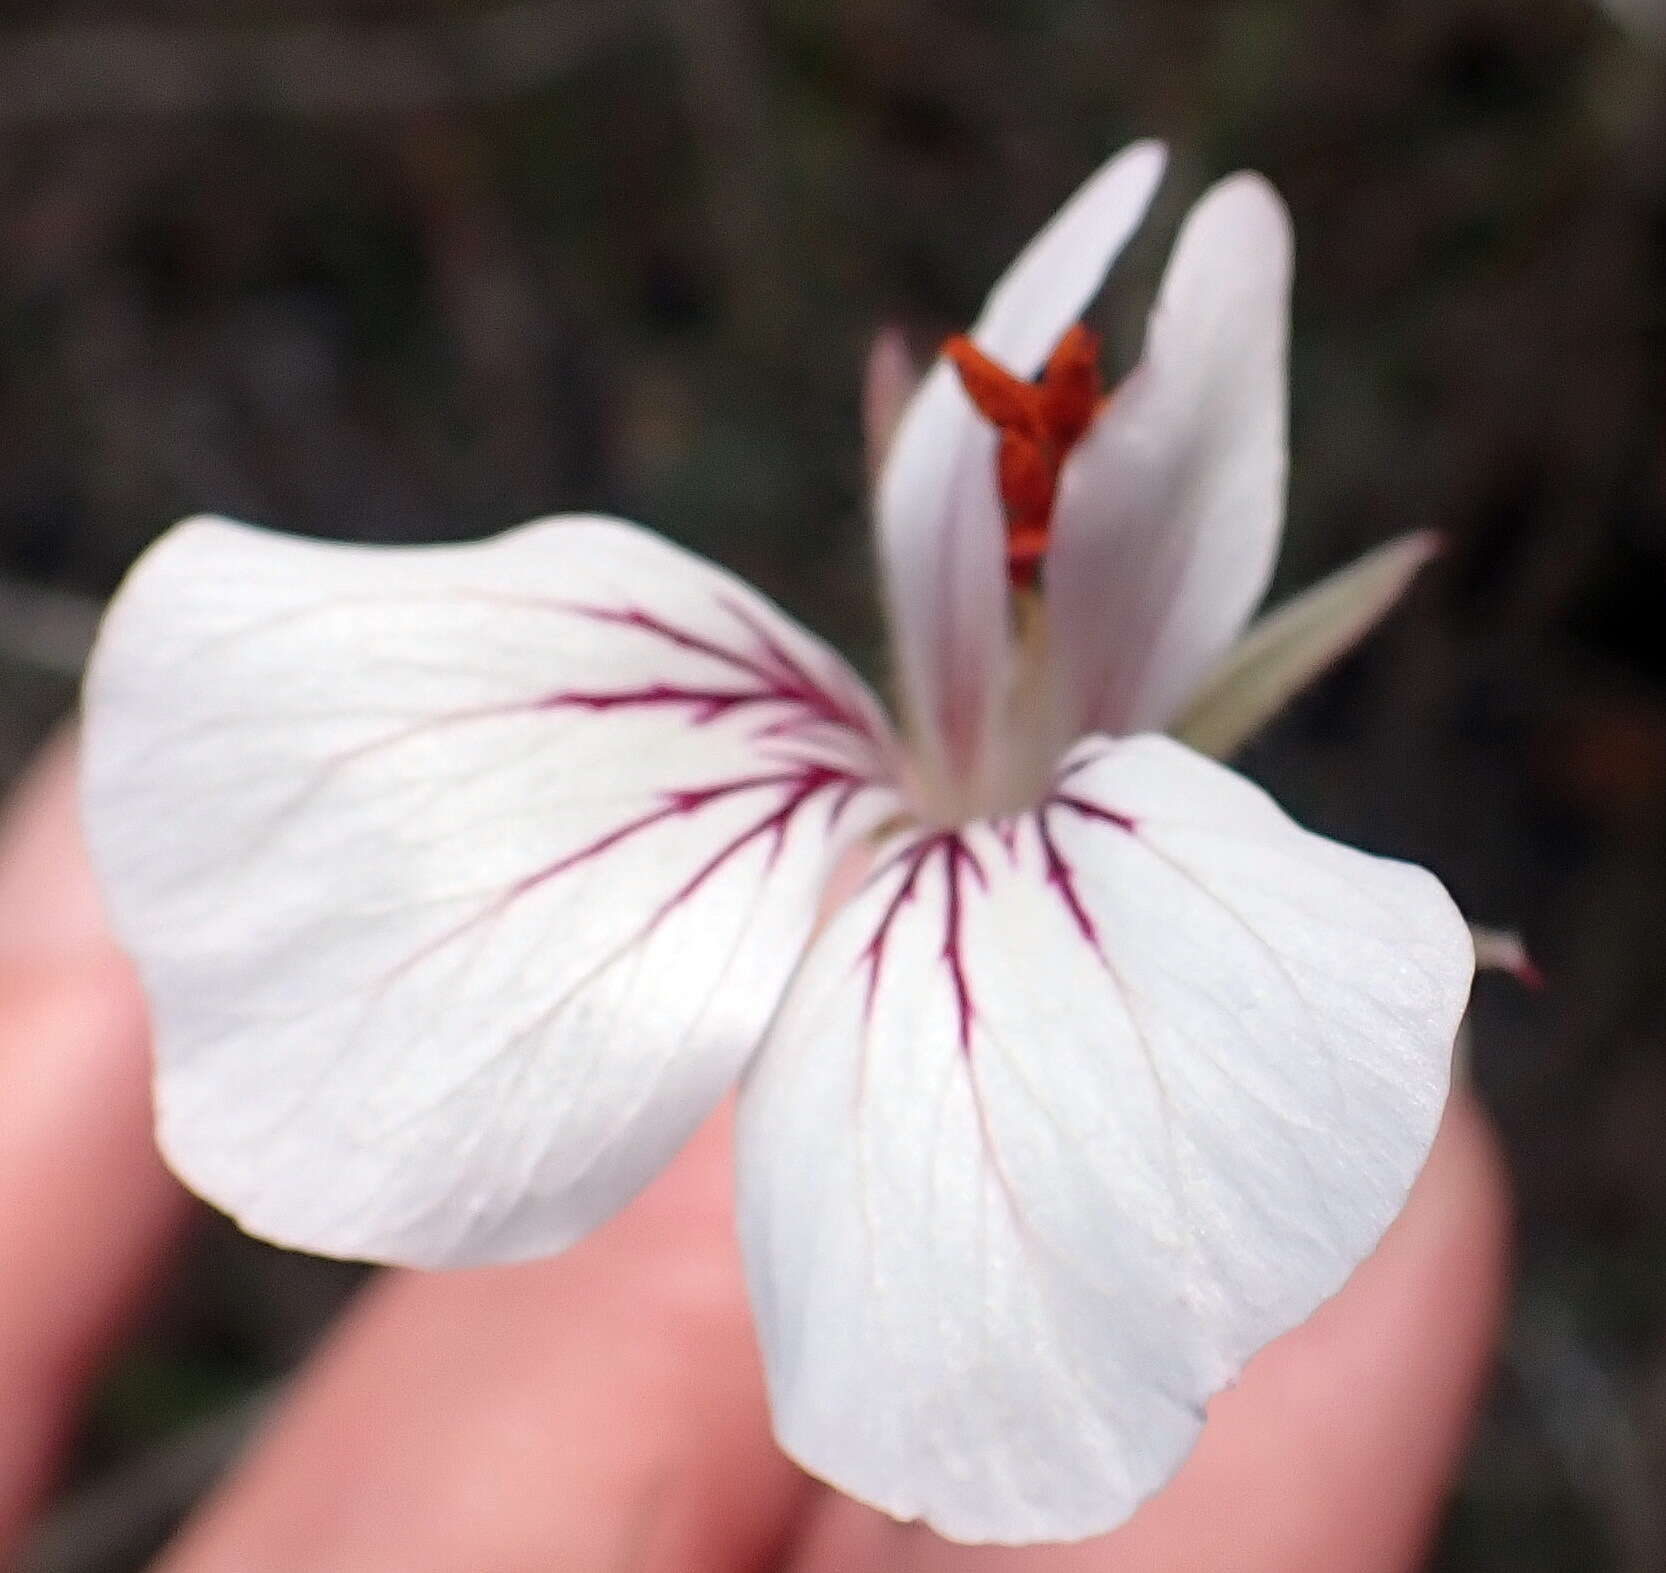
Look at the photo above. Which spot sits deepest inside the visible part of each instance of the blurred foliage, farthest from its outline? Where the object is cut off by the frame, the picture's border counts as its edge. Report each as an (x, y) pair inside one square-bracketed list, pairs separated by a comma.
[(427, 305)]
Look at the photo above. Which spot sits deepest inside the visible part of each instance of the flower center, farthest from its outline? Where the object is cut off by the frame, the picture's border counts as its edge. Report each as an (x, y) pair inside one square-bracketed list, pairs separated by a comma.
[(1039, 422)]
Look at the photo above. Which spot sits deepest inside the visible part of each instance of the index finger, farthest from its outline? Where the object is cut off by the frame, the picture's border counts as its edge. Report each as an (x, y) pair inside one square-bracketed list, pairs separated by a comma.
[(85, 1205)]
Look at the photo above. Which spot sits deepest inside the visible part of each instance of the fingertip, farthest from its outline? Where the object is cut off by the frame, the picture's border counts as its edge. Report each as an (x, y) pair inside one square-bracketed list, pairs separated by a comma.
[(86, 1209), (599, 1410)]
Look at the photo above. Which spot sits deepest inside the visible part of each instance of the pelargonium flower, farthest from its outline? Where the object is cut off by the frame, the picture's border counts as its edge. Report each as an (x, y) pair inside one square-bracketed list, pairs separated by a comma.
[(465, 880)]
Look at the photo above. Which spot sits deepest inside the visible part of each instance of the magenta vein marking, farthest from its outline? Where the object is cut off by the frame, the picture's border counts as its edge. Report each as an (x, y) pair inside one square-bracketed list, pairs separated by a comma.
[(706, 703), (847, 794), (1062, 877), (786, 679), (1076, 767), (811, 781), (1089, 810), (955, 856), (795, 669), (957, 853), (873, 953), (798, 786), (958, 860)]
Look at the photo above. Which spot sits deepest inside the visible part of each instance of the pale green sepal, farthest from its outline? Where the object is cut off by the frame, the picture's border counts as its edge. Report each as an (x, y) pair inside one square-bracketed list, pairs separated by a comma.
[(1283, 652)]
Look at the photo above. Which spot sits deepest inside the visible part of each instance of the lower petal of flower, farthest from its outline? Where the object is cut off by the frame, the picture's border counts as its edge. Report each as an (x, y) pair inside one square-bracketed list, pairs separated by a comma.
[(1063, 1118)]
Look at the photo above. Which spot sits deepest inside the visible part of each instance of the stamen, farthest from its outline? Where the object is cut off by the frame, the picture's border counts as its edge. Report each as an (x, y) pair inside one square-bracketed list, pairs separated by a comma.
[(1039, 422)]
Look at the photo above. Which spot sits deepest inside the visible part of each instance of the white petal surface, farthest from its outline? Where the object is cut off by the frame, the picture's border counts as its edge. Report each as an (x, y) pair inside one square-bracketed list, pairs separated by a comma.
[(1057, 275), (1063, 1119), (938, 515), (942, 550), (1170, 509), (462, 880)]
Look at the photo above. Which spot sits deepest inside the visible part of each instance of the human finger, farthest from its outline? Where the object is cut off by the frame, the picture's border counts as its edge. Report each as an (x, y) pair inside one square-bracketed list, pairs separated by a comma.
[(603, 1410), (86, 1208)]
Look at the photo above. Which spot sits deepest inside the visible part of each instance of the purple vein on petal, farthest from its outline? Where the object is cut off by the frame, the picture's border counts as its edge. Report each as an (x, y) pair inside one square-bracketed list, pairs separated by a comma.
[(801, 709), (949, 849), (1061, 877), (797, 788), (797, 774), (782, 678)]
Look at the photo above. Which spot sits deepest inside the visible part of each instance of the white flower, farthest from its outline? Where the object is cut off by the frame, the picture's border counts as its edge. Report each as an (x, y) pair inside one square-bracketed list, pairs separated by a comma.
[(465, 880)]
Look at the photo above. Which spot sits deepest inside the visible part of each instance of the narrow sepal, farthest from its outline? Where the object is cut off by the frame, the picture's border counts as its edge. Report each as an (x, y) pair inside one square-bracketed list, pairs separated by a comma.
[(1288, 648)]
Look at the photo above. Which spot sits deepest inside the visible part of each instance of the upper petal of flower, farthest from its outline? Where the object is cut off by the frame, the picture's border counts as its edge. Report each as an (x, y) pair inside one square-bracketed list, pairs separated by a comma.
[(462, 880), (939, 519), (1170, 509), (1057, 275), (1063, 1118)]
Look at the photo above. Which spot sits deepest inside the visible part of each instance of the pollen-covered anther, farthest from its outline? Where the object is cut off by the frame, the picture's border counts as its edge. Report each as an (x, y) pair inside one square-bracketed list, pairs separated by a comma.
[(1039, 422)]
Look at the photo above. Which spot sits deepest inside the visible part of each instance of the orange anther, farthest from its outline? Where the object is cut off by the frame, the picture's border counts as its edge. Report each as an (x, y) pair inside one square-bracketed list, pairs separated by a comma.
[(1039, 422)]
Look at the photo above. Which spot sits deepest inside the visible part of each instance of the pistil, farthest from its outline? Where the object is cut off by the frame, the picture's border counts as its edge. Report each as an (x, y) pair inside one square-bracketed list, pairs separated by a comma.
[(1039, 423)]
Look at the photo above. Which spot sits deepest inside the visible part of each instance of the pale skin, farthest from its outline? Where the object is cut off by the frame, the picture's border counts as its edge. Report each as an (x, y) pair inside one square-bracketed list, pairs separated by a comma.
[(604, 1411)]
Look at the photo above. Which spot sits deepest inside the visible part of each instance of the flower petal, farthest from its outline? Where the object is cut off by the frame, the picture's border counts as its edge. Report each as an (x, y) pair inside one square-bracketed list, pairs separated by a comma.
[(941, 539), (1170, 509), (1289, 647), (1065, 1117), (462, 880), (889, 381), (1057, 275), (939, 520)]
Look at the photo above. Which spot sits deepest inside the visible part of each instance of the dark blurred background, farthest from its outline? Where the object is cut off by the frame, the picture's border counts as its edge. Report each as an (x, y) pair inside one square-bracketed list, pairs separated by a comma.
[(394, 270)]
